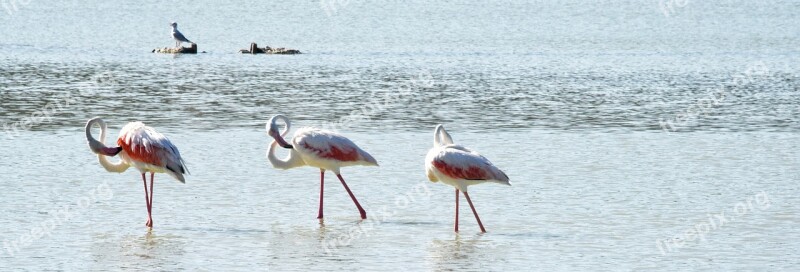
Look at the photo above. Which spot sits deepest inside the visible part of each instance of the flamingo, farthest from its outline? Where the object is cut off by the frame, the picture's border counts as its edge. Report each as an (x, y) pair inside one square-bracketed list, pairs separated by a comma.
[(142, 147), (177, 35), (319, 148), (459, 167)]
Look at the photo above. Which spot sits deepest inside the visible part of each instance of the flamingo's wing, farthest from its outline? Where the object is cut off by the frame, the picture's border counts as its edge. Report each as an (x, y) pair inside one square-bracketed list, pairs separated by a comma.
[(461, 163), (146, 145), (170, 155), (330, 145)]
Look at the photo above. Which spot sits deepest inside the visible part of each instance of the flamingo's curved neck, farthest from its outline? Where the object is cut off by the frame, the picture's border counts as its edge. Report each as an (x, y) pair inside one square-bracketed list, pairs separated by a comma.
[(291, 161), (101, 150), (441, 137)]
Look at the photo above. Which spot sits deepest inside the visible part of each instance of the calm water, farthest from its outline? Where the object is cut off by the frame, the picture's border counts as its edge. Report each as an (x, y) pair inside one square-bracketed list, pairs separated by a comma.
[(623, 125)]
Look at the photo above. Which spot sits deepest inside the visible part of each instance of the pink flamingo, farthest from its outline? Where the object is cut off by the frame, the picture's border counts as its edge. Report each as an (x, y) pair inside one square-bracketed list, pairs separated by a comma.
[(460, 167), (323, 149), (142, 147)]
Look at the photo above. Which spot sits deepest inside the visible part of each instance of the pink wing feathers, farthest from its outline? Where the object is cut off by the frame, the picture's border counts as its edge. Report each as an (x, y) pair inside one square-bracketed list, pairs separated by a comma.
[(144, 144), (461, 163), (329, 145)]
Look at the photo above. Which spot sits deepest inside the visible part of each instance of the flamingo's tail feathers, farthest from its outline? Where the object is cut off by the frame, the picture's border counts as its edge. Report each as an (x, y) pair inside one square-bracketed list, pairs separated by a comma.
[(179, 177), (500, 177), (177, 170), (184, 169), (370, 161)]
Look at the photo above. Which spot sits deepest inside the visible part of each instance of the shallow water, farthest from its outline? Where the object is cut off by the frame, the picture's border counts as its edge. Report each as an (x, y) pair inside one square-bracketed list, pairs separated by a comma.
[(607, 116), (579, 200)]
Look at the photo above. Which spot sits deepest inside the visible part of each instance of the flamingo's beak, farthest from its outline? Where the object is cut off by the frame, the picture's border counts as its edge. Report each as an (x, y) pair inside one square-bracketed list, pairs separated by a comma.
[(275, 135), (283, 143), (110, 151)]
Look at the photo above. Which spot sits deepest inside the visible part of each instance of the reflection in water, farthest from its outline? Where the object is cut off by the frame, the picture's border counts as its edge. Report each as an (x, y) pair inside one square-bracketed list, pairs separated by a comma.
[(287, 243), (147, 251), (464, 253)]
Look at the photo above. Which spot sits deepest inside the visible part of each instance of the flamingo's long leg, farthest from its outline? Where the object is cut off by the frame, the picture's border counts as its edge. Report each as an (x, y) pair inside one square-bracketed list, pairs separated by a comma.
[(321, 189), (474, 212), (360, 210), (146, 199), (456, 210), (150, 204)]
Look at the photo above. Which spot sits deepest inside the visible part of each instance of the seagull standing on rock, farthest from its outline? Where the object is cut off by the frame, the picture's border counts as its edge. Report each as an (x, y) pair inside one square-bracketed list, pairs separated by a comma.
[(179, 38)]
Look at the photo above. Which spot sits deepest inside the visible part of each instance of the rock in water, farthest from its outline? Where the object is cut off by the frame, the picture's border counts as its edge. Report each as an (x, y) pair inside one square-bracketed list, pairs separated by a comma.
[(179, 50), (269, 50)]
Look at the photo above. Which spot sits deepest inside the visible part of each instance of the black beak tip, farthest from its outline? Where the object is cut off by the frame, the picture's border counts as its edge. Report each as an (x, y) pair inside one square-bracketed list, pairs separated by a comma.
[(288, 146)]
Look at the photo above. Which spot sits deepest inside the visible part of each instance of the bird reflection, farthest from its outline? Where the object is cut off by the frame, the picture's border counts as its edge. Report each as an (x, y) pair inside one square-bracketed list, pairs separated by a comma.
[(461, 253)]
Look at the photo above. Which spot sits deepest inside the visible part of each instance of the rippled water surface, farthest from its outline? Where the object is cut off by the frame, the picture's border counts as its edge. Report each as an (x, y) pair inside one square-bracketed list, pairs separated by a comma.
[(638, 135)]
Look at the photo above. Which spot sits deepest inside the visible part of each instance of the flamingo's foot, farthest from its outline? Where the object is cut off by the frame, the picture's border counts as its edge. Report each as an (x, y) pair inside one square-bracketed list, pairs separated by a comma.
[(363, 215), (149, 223)]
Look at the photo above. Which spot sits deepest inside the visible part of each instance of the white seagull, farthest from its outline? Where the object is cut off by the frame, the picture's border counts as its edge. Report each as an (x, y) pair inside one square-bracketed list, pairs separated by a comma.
[(179, 38)]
